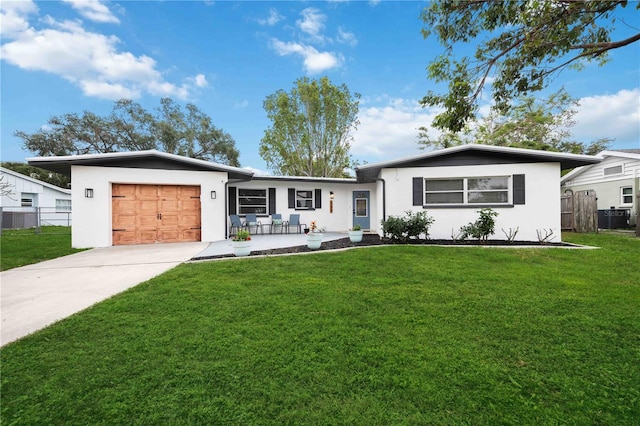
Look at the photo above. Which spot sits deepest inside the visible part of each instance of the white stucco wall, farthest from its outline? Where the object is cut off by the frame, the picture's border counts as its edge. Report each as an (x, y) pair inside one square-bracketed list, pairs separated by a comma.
[(542, 197), (92, 216), (338, 221)]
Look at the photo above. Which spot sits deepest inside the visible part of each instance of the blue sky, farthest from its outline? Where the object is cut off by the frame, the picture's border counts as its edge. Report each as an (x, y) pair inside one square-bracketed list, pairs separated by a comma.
[(227, 57)]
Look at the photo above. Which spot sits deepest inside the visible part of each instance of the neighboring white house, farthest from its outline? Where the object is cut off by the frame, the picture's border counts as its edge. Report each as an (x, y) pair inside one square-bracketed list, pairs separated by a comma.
[(616, 181), (150, 196), (33, 201)]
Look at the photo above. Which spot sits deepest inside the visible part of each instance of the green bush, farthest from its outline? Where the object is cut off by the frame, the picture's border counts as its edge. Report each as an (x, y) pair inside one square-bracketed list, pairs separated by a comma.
[(412, 225), (482, 228)]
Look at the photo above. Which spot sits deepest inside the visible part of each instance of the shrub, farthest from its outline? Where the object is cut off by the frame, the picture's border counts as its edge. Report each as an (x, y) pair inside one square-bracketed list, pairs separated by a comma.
[(482, 228), (412, 225)]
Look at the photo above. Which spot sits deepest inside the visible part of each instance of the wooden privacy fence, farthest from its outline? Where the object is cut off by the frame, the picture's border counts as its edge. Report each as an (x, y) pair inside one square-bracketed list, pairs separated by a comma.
[(579, 211)]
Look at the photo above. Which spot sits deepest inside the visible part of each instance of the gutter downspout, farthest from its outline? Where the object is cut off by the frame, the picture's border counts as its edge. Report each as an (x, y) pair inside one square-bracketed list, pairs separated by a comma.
[(384, 198), (226, 209)]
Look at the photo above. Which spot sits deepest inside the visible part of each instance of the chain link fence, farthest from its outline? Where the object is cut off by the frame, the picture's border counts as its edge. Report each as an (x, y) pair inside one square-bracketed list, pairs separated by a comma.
[(35, 218)]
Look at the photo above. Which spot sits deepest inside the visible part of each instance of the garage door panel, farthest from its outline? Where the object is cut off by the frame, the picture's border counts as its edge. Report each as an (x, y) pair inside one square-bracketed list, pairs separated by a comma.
[(144, 214), (169, 206), (189, 221), (124, 237), (191, 235)]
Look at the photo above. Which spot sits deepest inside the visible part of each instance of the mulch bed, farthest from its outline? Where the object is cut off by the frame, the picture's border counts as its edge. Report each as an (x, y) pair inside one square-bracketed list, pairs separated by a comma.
[(375, 240)]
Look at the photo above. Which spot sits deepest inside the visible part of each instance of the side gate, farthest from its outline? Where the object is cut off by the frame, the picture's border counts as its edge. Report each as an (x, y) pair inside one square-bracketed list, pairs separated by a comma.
[(579, 211)]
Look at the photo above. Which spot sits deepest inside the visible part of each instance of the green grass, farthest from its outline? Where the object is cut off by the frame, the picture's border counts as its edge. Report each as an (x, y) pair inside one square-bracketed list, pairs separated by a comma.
[(385, 335), (19, 247)]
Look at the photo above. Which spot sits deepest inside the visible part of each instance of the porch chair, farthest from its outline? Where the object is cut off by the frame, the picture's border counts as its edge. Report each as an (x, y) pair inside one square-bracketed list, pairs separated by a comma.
[(236, 223), (276, 220), (252, 221), (294, 220)]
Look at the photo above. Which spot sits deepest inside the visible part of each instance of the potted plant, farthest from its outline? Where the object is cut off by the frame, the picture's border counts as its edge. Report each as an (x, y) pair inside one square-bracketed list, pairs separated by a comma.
[(314, 237), (241, 243), (355, 234)]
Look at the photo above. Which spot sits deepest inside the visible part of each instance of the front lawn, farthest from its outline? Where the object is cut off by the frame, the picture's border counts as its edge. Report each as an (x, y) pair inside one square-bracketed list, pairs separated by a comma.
[(19, 247), (383, 335)]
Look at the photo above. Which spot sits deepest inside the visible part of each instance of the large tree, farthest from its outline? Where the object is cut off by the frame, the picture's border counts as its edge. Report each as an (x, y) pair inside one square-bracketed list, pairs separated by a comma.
[(522, 45), (129, 127), (530, 123), (310, 132)]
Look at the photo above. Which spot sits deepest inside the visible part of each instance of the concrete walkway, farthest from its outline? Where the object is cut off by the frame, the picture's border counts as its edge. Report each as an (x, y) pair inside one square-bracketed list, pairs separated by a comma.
[(35, 296)]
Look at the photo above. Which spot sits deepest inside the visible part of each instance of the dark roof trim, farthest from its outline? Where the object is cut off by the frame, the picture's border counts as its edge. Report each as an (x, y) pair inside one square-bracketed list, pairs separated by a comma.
[(473, 154), (151, 159), (306, 179)]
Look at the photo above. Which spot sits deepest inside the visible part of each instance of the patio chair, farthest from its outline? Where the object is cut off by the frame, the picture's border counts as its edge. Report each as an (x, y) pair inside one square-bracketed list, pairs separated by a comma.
[(294, 220), (276, 220), (236, 223), (251, 221)]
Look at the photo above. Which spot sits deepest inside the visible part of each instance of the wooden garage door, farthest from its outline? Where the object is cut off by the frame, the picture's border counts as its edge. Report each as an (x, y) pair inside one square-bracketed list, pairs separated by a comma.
[(144, 214)]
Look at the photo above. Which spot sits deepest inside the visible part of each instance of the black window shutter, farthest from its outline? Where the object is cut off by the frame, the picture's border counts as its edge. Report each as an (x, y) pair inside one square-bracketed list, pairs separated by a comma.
[(418, 191), (292, 198), (272, 200), (232, 200), (518, 189), (318, 198)]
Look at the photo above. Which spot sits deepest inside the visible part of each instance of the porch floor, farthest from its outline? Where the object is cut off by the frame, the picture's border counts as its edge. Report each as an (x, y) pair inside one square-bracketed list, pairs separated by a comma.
[(266, 242)]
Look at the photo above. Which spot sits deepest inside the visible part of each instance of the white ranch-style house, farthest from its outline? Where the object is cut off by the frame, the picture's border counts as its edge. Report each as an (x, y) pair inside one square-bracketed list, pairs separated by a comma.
[(150, 196)]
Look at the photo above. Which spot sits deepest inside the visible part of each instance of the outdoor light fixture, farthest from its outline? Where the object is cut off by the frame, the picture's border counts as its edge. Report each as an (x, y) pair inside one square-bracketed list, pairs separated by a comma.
[(213, 195), (331, 195), (88, 193)]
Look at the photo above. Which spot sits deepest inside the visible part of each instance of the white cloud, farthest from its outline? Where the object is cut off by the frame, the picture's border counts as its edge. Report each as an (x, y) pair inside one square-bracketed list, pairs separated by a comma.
[(13, 17), (273, 18), (389, 129), (346, 37), (93, 10), (198, 81), (90, 60), (314, 61), (312, 23), (609, 116), (242, 104)]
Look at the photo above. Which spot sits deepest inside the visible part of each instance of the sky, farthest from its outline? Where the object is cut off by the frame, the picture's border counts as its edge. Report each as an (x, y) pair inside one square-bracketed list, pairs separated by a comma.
[(226, 57)]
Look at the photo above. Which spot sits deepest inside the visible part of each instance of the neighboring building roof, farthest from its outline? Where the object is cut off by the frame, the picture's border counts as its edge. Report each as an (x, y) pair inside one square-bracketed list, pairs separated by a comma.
[(475, 154), (632, 154), (151, 159), (36, 181), (629, 151)]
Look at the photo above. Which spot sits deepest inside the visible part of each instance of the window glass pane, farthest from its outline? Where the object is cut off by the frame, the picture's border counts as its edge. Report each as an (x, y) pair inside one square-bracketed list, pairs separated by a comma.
[(63, 205), (252, 201), (444, 198), (627, 191), (304, 199), (488, 183), (444, 185), (253, 192), (252, 209), (361, 207), (488, 197)]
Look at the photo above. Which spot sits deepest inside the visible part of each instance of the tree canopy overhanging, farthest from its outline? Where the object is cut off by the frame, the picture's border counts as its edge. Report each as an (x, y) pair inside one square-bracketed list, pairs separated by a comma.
[(524, 45), (130, 127), (310, 132), (542, 124)]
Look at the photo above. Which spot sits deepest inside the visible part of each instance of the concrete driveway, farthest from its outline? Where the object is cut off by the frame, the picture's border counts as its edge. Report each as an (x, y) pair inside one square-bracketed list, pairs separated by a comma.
[(35, 296)]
